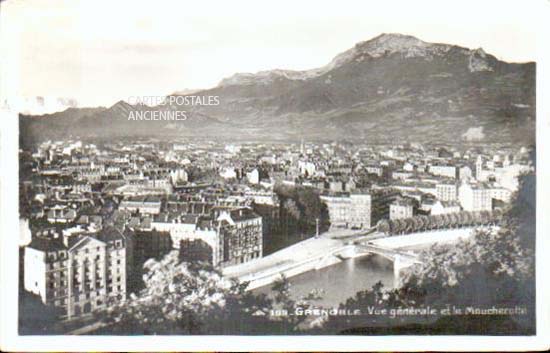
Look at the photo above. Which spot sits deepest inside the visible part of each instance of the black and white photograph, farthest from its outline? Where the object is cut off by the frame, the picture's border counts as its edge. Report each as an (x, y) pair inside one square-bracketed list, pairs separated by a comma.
[(282, 169)]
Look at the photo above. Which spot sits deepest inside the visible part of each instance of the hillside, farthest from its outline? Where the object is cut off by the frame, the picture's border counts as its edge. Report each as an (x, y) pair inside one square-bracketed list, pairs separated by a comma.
[(390, 88)]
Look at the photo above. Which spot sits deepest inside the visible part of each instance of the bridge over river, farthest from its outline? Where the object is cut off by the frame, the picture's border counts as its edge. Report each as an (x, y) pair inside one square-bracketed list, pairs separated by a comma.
[(334, 246)]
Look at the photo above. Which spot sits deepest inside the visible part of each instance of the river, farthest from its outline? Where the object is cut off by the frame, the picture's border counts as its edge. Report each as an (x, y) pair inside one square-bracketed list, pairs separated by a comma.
[(340, 281)]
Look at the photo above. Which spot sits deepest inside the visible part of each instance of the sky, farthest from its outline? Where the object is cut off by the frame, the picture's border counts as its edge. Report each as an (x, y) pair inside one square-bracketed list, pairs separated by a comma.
[(100, 52)]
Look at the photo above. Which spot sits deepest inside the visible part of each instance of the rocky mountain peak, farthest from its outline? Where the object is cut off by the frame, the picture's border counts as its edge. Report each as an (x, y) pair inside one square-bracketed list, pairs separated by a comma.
[(392, 42), (384, 44), (478, 61)]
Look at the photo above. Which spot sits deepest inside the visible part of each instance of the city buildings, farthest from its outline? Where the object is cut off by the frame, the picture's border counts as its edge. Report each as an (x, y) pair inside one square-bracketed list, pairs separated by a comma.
[(141, 204), (448, 171), (95, 214), (359, 209)]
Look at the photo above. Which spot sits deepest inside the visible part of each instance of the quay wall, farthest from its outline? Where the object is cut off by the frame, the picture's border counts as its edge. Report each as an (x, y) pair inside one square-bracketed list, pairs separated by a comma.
[(317, 262), (346, 251)]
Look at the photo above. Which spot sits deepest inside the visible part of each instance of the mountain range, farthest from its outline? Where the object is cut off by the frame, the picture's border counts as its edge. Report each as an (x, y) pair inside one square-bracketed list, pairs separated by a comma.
[(393, 87)]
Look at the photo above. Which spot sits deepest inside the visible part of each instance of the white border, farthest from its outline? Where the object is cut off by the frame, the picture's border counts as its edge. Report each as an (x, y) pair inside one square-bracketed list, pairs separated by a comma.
[(10, 341)]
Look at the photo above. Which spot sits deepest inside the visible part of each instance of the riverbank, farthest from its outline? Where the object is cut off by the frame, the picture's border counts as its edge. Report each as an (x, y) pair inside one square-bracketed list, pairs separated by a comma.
[(326, 250)]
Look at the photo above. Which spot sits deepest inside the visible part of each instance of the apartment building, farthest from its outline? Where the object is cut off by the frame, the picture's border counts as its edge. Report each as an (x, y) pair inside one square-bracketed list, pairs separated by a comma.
[(401, 208), (77, 273), (446, 191), (475, 197)]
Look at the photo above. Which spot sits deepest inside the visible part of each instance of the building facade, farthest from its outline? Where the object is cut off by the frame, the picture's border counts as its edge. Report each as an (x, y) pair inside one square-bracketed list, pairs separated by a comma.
[(241, 232), (444, 207), (77, 273), (449, 171), (401, 208), (475, 197), (446, 191)]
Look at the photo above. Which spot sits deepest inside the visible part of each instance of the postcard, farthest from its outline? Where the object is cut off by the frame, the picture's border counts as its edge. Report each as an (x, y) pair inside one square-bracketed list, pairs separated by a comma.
[(274, 175)]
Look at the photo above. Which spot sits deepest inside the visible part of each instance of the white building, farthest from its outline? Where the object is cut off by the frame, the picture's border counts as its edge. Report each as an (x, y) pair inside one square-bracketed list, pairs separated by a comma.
[(449, 171), (446, 191), (401, 208), (228, 173), (443, 207), (306, 168), (187, 228), (479, 167), (178, 176), (501, 194), (77, 273), (465, 173), (143, 204), (475, 197), (253, 177)]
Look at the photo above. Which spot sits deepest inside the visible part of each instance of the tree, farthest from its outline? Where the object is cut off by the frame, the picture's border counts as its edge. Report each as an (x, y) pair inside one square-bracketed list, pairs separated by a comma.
[(305, 206), (418, 224), (291, 208), (431, 222), (392, 227), (183, 298), (425, 222), (439, 221), (383, 226), (497, 216), (477, 218), (398, 226), (467, 218), (453, 220), (409, 225), (283, 300)]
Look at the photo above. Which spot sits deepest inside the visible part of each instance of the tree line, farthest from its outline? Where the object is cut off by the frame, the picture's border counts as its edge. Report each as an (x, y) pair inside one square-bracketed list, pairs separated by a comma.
[(436, 222)]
